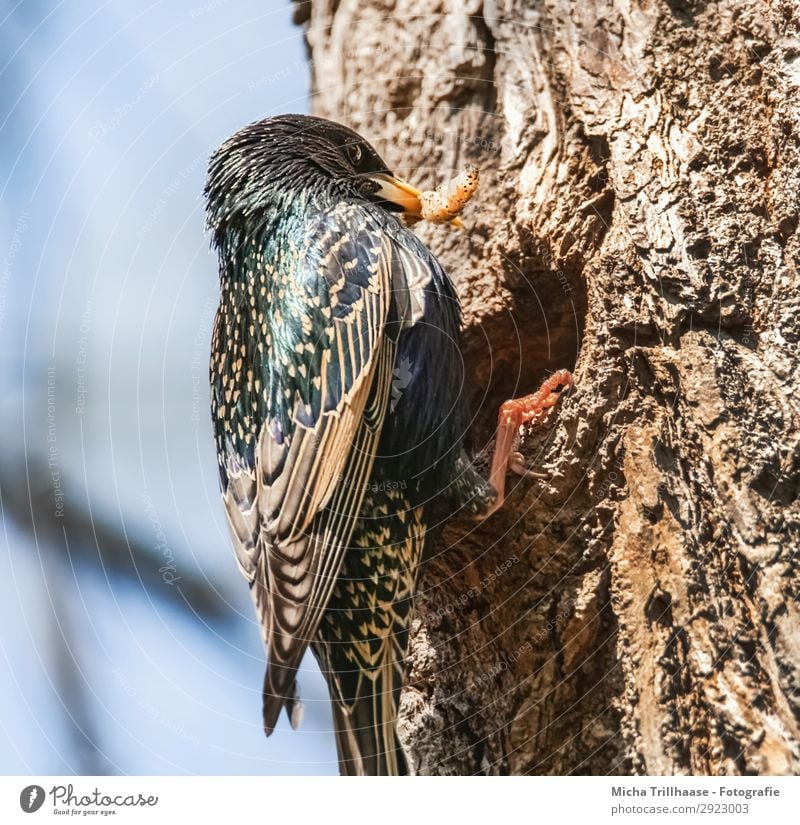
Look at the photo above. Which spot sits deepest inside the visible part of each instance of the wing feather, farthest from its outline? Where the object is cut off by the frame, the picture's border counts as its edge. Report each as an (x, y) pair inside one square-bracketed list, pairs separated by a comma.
[(292, 511)]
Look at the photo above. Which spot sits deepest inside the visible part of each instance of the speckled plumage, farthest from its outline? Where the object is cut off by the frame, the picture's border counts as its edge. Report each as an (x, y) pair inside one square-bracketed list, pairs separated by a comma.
[(338, 411)]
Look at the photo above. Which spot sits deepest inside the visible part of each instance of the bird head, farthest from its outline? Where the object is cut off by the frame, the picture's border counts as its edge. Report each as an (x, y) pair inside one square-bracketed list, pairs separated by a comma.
[(296, 158)]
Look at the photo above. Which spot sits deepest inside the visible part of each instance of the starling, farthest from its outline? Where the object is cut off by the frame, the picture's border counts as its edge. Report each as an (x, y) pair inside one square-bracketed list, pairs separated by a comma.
[(339, 413)]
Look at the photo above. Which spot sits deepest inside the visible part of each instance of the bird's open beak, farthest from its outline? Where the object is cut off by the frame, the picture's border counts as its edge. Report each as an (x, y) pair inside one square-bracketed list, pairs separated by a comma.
[(397, 191)]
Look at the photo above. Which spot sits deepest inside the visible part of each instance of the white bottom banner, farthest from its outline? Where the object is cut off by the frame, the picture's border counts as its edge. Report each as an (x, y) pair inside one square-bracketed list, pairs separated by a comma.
[(329, 800)]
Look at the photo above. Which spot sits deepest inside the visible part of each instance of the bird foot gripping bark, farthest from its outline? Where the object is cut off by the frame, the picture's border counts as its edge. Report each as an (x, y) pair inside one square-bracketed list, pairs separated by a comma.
[(513, 414)]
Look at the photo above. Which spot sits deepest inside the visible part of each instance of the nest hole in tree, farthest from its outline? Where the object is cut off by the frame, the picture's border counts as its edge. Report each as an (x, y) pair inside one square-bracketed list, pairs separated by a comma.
[(511, 352)]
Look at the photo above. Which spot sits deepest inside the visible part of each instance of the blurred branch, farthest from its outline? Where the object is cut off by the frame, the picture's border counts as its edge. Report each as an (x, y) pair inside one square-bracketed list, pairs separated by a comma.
[(72, 687), (83, 539)]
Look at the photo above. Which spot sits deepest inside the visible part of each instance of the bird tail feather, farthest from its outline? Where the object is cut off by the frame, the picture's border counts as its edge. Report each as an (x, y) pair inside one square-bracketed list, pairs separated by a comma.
[(274, 703), (366, 732)]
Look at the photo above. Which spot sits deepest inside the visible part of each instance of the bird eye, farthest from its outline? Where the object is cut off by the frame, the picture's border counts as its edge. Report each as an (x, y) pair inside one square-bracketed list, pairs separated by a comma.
[(354, 153)]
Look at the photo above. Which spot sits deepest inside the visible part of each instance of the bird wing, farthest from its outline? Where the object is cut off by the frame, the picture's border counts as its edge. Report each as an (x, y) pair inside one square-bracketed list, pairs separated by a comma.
[(292, 509)]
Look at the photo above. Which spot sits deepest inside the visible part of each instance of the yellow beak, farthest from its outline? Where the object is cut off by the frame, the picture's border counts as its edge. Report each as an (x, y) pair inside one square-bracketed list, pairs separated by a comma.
[(396, 190)]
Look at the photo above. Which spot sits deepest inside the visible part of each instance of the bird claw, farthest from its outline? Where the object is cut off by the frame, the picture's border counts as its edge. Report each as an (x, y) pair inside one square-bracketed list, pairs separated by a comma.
[(513, 415), (530, 408), (516, 463)]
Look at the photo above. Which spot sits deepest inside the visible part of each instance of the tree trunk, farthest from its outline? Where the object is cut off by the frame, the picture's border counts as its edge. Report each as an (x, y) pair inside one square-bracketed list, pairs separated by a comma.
[(637, 611)]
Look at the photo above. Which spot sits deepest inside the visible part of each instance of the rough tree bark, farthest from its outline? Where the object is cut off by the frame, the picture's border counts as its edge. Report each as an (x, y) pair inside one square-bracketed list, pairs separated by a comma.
[(637, 222)]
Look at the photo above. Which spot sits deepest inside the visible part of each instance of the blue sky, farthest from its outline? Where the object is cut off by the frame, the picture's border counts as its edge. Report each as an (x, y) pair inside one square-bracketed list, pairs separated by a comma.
[(108, 112)]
